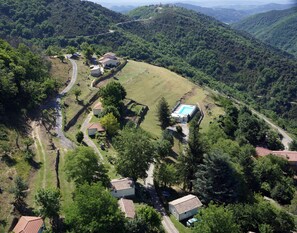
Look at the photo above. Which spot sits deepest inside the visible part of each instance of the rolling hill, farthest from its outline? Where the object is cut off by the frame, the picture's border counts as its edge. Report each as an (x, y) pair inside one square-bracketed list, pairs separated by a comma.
[(39, 19), (277, 28)]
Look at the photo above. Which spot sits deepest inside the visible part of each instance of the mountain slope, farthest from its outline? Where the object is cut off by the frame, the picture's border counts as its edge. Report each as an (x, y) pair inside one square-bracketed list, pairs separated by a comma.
[(247, 65), (277, 28), (231, 14), (45, 18)]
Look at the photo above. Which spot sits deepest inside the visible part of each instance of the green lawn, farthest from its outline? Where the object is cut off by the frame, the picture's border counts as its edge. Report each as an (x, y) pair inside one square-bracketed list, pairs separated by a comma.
[(147, 84), (179, 226)]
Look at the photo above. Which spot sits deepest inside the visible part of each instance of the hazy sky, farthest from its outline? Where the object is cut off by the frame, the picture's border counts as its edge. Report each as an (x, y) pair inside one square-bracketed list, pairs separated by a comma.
[(198, 2)]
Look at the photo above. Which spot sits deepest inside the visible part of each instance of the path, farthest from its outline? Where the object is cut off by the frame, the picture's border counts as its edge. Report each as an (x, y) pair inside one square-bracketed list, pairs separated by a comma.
[(149, 183), (65, 142), (87, 140)]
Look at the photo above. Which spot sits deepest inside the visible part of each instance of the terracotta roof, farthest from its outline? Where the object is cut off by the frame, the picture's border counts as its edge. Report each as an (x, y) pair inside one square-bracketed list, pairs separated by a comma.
[(98, 106), (122, 184), (96, 126), (186, 203), (127, 207), (291, 156), (28, 224)]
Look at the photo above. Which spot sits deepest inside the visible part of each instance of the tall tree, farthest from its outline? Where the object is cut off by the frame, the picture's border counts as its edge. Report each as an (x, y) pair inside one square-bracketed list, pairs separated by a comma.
[(94, 210), (19, 190), (150, 216), (48, 202), (82, 165), (110, 123), (166, 174), (163, 113), (113, 94), (217, 180), (216, 219), (135, 153)]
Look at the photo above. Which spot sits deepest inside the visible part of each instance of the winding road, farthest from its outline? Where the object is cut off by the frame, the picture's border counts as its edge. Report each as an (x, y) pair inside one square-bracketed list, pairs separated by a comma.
[(65, 142)]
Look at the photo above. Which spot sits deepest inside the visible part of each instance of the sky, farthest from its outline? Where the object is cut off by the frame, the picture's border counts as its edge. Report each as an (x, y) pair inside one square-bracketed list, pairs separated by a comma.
[(196, 2)]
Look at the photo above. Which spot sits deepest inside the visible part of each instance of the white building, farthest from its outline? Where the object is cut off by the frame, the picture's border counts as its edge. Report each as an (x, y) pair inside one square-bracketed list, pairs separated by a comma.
[(184, 207), (107, 62), (97, 109), (96, 71), (122, 188)]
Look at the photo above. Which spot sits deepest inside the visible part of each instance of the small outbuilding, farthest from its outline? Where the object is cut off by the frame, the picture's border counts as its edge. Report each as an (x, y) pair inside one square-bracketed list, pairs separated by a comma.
[(96, 71), (185, 207), (127, 207), (122, 188), (97, 109), (29, 224), (94, 128)]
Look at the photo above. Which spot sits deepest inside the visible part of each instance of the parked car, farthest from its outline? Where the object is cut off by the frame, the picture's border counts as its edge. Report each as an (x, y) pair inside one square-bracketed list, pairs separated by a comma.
[(191, 222)]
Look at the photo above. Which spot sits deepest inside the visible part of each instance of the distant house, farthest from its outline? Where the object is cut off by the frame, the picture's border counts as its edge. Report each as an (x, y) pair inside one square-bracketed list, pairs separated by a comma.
[(97, 109), (291, 156), (94, 128), (28, 224), (107, 62), (96, 71), (185, 207), (127, 207), (110, 56), (122, 188)]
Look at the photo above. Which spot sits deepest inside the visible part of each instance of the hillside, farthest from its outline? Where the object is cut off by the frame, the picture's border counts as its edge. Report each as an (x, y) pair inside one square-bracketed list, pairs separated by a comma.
[(277, 28), (39, 19), (190, 42), (230, 14)]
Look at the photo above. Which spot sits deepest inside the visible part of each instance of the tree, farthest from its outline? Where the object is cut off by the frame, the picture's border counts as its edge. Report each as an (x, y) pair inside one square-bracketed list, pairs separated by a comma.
[(48, 202), (166, 174), (293, 145), (70, 49), (79, 136), (82, 165), (135, 153), (136, 226), (150, 216), (216, 219), (283, 191), (19, 190), (113, 94), (110, 123), (217, 180), (94, 210), (28, 142), (77, 93), (163, 113), (164, 148)]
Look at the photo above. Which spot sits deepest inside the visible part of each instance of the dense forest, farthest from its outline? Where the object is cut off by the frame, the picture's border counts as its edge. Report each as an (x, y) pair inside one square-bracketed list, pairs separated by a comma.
[(277, 28), (25, 80), (38, 19)]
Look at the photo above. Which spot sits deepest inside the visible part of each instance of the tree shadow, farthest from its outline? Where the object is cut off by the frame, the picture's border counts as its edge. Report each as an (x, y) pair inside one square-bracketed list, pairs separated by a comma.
[(80, 102), (9, 161), (34, 164)]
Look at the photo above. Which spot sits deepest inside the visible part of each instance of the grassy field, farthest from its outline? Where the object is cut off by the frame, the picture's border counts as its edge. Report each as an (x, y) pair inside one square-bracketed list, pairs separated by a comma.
[(179, 226), (147, 84), (61, 72)]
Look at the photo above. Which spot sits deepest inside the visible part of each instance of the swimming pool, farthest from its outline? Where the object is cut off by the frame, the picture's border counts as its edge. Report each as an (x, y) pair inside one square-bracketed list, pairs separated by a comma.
[(186, 110)]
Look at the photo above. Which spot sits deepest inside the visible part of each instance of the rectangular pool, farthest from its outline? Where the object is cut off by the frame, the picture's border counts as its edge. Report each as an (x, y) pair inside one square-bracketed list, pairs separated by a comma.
[(186, 110)]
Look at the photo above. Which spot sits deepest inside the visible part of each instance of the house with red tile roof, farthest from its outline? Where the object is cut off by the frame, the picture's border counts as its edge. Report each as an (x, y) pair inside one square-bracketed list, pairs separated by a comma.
[(94, 128), (28, 224), (98, 108), (291, 156)]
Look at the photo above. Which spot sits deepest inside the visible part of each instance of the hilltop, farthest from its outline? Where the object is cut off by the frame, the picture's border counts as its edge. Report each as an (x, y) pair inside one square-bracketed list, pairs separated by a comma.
[(39, 19), (277, 28)]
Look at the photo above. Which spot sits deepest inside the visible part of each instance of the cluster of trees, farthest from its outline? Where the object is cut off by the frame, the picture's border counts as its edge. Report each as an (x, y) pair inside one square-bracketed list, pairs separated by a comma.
[(24, 79)]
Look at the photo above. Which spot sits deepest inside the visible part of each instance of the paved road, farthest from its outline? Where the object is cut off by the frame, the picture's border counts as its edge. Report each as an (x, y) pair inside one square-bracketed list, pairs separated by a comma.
[(65, 142), (87, 140), (166, 221)]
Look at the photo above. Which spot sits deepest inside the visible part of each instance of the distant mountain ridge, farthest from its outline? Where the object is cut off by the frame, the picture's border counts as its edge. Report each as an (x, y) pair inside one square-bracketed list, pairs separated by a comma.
[(277, 28)]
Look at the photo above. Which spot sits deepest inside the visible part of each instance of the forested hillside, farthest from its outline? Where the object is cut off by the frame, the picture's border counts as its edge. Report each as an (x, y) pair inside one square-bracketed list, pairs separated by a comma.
[(45, 18), (277, 28), (25, 80), (244, 64)]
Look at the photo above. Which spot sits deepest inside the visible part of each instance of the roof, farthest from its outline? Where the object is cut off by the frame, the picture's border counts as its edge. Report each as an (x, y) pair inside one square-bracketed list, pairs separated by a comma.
[(109, 55), (291, 156), (98, 106), (28, 224), (122, 184), (127, 207), (105, 60), (186, 203), (96, 126)]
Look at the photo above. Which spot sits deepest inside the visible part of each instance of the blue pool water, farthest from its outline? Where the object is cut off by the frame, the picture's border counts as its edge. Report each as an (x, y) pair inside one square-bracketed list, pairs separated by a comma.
[(186, 110)]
